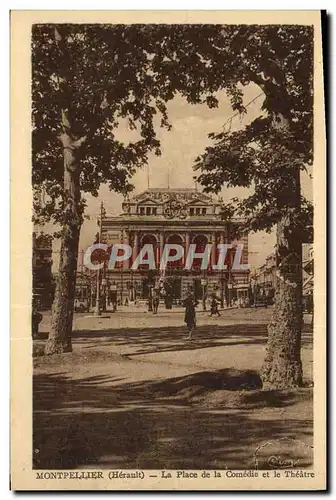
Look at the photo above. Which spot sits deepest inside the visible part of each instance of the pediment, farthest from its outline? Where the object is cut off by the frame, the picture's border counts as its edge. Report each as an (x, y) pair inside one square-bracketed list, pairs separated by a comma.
[(201, 199), (147, 201), (200, 203)]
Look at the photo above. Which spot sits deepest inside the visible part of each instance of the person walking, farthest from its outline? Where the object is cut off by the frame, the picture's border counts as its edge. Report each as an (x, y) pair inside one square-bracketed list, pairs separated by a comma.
[(214, 307), (190, 313), (113, 295), (156, 300)]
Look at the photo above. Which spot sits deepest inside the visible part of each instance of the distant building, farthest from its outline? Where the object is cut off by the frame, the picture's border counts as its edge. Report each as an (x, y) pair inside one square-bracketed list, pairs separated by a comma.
[(180, 216), (43, 283), (266, 274)]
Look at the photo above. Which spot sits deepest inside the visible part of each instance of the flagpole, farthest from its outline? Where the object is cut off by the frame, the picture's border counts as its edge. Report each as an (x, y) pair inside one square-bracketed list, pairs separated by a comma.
[(101, 215)]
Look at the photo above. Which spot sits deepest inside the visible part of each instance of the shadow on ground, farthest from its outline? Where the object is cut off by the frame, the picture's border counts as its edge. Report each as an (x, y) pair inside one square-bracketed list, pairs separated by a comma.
[(153, 340), (210, 420)]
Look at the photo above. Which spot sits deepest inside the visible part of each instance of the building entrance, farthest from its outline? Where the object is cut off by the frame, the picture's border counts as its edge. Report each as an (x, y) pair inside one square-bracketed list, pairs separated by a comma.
[(146, 283), (198, 291), (176, 287)]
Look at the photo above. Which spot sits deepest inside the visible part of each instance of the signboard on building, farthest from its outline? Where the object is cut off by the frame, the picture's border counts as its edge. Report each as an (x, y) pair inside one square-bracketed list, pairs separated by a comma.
[(242, 286)]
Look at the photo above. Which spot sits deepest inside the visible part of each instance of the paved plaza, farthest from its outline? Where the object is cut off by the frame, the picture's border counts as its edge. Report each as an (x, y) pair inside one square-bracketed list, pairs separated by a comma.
[(136, 393)]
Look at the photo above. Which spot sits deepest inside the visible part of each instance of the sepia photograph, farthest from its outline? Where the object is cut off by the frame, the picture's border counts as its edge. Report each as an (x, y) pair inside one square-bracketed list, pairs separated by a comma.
[(171, 230)]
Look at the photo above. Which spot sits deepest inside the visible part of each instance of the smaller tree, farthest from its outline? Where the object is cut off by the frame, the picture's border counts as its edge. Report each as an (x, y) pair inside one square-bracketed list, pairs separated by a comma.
[(86, 79)]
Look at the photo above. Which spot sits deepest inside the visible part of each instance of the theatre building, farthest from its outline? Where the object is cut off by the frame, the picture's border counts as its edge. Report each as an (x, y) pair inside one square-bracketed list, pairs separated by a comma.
[(175, 216)]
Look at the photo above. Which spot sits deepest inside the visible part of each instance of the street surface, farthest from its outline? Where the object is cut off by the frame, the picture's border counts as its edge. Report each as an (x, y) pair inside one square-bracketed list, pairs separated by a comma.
[(136, 393)]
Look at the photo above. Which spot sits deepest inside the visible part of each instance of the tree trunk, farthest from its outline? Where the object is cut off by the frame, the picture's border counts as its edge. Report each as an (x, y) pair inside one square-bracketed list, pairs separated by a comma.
[(59, 340), (282, 367)]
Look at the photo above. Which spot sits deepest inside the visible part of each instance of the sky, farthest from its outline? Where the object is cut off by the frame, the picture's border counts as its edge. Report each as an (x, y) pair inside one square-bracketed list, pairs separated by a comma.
[(188, 138)]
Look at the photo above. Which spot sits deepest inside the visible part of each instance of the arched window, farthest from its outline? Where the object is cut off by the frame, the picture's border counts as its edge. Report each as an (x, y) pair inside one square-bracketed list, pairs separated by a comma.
[(175, 239), (149, 239), (200, 241)]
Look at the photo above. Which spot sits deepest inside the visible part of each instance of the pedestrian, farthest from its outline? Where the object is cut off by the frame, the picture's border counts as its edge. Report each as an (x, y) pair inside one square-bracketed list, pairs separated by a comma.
[(214, 307), (113, 296), (156, 301), (190, 313)]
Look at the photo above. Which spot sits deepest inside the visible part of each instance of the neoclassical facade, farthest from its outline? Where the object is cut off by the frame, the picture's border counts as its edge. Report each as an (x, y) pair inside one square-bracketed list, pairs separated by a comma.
[(179, 216)]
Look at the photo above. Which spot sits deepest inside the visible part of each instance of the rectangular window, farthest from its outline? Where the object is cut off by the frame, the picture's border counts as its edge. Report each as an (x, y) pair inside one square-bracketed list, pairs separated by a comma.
[(148, 210), (203, 211), (191, 211), (142, 210), (154, 211), (198, 211)]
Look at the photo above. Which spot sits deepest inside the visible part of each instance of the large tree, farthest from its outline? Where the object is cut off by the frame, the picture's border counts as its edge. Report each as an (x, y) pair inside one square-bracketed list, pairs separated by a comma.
[(268, 156), (85, 79)]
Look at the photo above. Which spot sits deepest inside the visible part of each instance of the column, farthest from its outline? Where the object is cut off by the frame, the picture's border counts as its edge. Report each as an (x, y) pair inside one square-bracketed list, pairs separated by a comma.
[(213, 249), (225, 235), (227, 239), (229, 280), (161, 244), (126, 263), (135, 246), (222, 291), (186, 248)]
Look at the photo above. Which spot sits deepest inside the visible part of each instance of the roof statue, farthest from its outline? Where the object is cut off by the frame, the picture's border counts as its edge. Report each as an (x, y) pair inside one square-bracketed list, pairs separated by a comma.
[(163, 195)]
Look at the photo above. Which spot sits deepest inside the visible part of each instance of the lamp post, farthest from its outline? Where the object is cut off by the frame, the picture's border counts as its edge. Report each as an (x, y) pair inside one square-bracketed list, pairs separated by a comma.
[(150, 290), (230, 280), (204, 284), (222, 289), (253, 286), (104, 288), (101, 216), (121, 284), (230, 286)]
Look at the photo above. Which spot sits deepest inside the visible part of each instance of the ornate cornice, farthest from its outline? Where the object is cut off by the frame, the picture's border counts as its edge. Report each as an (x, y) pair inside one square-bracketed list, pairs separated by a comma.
[(173, 203)]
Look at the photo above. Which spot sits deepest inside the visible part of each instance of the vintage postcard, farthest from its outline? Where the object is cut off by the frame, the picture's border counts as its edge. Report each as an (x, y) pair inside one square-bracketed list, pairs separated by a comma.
[(168, 298)]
